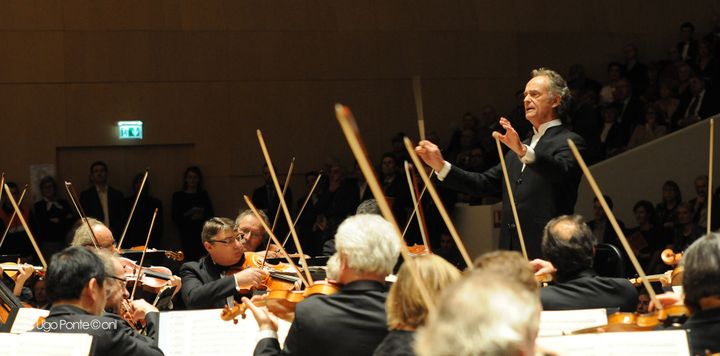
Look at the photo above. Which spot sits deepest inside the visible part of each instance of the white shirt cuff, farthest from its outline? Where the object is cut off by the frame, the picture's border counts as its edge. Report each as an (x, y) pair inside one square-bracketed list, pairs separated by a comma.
[(266, 334), (444, 171), (529, 156)]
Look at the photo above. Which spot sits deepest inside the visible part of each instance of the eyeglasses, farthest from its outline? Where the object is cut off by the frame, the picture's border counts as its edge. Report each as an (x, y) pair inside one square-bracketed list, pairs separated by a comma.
[(239, 238), (122, 280)]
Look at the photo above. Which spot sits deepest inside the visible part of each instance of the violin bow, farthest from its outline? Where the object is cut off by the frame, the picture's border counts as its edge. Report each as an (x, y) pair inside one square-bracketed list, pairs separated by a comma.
[(25, 226), (439, 204), (12, 217), (277, 212), (511, 197), (285, 209), (297, 218), (415, 208), (285, 187), (142, 257), (614, 223), (350, 130), (2, 183), (710, 175), (74, 199), (414, 192), (417, 93), (132, 211), (274, 239)]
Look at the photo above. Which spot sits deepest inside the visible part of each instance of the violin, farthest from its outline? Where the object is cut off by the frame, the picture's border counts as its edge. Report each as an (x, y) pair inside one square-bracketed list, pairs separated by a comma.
[(418, 250), (671, 258), (127, 312), (11, 269), (671, 316), (175, 256), (281, 302), (152, 279), (277, 275)]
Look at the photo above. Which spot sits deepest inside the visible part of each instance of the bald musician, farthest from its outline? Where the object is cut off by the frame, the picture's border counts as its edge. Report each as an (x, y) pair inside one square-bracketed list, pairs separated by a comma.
[(568, 244), (81, 236), (210, 282), (352, 321), (542, 170)]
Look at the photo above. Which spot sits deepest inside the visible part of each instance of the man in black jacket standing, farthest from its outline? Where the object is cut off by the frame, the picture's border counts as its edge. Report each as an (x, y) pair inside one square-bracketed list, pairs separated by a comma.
[(102, 201), (543, 172)]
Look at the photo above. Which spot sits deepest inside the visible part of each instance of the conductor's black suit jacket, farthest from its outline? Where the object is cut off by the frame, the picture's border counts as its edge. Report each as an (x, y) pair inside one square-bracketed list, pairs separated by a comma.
[(544, 190), (351, 322)]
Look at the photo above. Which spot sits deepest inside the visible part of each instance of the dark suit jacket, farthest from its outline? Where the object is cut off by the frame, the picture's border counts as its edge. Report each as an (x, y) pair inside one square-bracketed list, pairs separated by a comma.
[(351, 322), (90, 202), (545, 189), (113, 337), (202, 286), (703, 329), (586, 290)]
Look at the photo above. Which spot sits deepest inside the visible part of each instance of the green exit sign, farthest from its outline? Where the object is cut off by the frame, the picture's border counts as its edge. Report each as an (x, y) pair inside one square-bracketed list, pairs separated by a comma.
[(130, 130)]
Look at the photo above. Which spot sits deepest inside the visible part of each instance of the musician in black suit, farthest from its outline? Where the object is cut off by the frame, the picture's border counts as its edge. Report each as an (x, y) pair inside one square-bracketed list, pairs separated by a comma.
[(568, 244), (352, 321), (102, 201), (208, 283), (701, 285), (76, 286), (542, 171)]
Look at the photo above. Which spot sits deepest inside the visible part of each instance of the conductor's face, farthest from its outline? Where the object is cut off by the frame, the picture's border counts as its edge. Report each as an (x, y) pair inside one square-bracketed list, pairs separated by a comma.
[(539, 102)]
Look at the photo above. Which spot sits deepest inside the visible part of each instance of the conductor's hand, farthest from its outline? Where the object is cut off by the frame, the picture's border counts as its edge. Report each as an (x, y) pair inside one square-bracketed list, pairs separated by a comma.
[(250, 277), (510, 138), (265, 319), (430, 154)]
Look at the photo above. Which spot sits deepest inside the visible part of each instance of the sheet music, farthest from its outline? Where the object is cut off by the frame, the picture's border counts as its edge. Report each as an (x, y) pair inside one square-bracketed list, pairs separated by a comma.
[(561, 322), (655, 343), (27, 318), (196, 332), (45, 344)]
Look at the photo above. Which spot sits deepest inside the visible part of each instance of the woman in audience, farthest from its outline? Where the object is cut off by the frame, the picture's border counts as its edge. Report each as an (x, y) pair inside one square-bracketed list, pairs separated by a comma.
[(406, 310), (654, 127), (646, 239), (671, 198), (668, 102), (686, 232), (191, 207)]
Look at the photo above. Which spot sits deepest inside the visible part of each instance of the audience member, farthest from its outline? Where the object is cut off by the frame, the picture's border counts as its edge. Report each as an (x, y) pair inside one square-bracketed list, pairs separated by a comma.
[(191, 207), (51, 218), (103, 202)]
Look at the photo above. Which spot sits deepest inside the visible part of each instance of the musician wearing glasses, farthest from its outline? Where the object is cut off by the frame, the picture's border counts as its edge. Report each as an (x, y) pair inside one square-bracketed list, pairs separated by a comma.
[(216, 279), (137, 310), (255, 237)]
